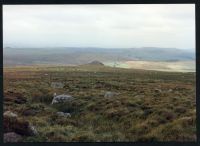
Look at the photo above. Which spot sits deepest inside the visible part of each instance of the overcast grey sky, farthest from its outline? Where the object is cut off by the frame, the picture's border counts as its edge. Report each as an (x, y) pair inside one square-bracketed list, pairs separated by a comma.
[(99, 25)]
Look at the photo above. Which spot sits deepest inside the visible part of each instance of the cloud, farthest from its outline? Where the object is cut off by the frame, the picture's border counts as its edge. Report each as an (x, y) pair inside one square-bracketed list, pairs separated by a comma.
[(169, 25)]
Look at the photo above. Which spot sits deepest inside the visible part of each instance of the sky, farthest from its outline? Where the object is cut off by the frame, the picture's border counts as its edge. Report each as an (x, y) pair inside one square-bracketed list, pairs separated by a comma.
[(107, 26)]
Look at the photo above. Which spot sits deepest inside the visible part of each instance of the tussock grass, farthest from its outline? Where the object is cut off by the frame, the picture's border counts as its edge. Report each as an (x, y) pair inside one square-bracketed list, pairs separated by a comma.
[(151, 106)]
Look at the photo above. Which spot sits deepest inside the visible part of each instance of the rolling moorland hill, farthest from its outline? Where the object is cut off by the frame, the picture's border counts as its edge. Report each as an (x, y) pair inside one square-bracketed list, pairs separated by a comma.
[(109, 104), (78, 56)]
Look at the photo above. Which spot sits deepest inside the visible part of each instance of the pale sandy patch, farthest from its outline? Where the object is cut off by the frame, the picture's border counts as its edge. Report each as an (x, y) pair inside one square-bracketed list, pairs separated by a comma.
[(177, 66)]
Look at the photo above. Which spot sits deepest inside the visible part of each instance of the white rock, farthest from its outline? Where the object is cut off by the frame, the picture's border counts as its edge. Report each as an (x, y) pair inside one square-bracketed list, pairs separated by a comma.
[(62, 98), (33, 131), (12, 137), (62, 114), (10, 114), (110, 94)]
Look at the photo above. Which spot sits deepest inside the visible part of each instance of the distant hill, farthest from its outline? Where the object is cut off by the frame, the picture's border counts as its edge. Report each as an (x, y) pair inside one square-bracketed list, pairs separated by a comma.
[(96, 63), (78, 56)]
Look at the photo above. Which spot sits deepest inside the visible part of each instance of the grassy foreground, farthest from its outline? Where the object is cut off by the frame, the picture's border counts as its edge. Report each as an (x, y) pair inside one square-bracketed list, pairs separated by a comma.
[(151, 106)]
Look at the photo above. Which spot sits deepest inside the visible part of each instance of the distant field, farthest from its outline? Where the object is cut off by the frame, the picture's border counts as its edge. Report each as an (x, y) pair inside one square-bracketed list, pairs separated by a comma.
[(174, 66)]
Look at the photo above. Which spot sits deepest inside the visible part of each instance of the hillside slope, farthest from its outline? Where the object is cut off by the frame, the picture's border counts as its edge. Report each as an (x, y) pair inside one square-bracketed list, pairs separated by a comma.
[(77, 56)]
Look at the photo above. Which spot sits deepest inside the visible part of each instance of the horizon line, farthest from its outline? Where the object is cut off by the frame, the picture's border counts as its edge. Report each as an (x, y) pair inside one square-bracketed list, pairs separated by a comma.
[(100, 47)]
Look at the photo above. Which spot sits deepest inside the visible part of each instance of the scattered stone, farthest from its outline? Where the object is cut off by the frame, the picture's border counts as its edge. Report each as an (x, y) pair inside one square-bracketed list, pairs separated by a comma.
[(11, 123), (24, 128), (33, 130), (170, 90), (12, 137), (30, 112), (139, 96), (110, 94), (62, 114), (62, 98), (57, 85), (9, 118), (10, 114), (158, 90)]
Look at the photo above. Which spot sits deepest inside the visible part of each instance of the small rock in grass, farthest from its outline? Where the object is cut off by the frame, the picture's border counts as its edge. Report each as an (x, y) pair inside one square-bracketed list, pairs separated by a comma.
[(61, 98), (110, 94), (24, 128), (170, 90), (29, 112), (10, 114), (158, 90), (12, 137), (11, 123), (62, 114)]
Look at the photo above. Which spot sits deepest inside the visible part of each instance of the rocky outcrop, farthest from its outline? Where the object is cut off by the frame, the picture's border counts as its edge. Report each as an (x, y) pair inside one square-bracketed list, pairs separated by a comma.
[(12, 123), (24, 128), (10, 114), (61, 98), (12, 137)]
